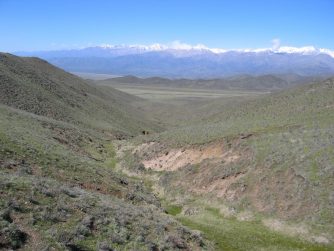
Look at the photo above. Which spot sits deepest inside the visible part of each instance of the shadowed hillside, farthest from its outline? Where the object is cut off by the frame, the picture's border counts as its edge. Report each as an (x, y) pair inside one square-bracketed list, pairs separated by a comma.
[(33, 85)]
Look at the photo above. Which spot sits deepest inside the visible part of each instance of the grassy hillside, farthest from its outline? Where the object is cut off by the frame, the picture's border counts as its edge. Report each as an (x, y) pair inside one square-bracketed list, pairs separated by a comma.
[(251, 172), (271, 157), (59, 190), (58, 184), (308, 106), (35, 86)]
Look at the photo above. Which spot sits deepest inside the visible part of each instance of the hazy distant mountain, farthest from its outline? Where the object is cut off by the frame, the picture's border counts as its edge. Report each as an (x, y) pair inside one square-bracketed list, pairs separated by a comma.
[(191, 62)]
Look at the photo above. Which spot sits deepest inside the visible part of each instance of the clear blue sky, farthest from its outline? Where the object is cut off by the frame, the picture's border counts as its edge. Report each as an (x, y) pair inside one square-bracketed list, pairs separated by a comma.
[(56, 24)]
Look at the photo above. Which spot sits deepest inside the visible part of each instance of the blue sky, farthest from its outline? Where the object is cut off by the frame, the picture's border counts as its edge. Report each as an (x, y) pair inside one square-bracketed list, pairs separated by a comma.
[(58, 24)]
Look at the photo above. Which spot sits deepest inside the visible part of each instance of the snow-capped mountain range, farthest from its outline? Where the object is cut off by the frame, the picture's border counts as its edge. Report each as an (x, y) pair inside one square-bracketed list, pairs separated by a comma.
[(181, 47), (179, 60)]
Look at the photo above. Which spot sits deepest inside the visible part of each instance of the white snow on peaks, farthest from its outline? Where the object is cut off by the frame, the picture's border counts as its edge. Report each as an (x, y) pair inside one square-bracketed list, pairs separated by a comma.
[(106, 46), (303, 50), (176, 46), (327, 51), (306, 50)]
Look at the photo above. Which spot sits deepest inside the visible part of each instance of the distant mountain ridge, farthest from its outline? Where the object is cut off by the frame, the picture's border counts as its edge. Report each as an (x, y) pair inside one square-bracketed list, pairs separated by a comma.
[(184, 61), (178, 49)]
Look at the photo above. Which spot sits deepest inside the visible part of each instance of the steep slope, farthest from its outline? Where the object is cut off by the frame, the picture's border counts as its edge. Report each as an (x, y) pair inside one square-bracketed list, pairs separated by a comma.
[(59, 190), (58, 184), (35, 86)]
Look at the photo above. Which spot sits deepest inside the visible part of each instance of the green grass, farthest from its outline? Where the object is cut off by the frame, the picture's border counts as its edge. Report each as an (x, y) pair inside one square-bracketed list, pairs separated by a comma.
[(229, 234), (173, 209)]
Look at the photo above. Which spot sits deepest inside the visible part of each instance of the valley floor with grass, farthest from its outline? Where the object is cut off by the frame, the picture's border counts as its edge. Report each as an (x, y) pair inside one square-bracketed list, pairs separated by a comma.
[(173, 93)]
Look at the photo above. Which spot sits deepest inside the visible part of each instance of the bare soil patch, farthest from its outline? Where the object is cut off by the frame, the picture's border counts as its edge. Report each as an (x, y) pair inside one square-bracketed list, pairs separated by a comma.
[(177, 158)]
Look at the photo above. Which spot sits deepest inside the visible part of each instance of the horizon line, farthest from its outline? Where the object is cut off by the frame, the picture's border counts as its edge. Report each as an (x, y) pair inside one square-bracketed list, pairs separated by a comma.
[(177, 45)]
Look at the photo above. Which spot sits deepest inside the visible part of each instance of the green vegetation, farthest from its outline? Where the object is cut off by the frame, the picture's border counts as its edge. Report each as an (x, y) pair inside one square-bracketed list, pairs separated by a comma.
[(285, 168), (35, 86), (232, 235), (304, 107), (72, 173), (59, 188), (173, 209)]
